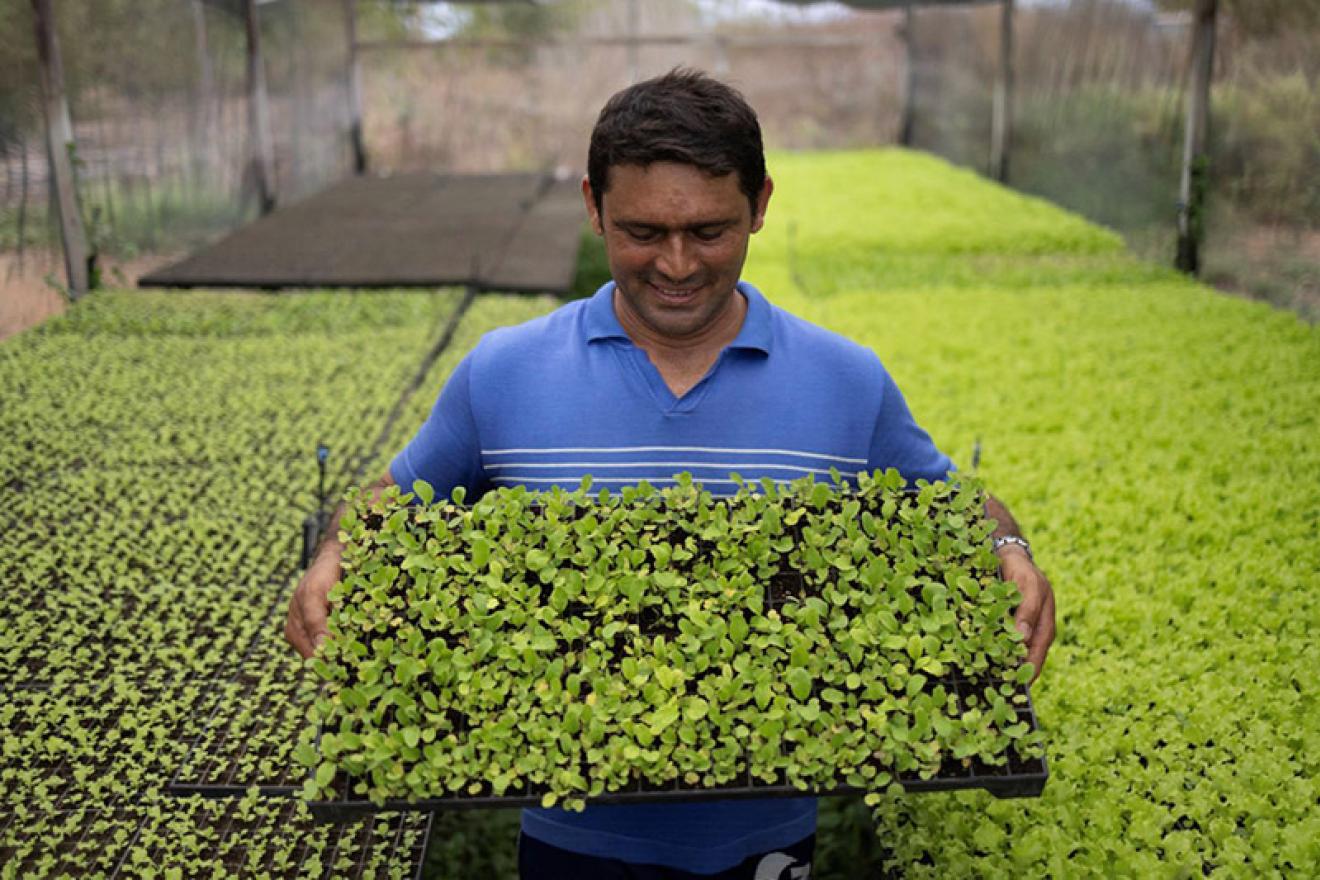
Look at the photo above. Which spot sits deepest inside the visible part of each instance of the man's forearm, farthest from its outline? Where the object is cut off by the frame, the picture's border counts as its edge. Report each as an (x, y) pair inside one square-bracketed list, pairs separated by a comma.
[(331, 547), (1005, 525)]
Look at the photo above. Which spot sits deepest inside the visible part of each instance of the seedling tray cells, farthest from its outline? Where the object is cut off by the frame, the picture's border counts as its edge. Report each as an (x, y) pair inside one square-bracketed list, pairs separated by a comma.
[(566, 647), (157, 454)]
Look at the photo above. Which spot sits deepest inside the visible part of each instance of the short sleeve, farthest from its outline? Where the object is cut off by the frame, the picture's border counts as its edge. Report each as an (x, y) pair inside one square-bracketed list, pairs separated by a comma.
[(899, 442), (446, 451)]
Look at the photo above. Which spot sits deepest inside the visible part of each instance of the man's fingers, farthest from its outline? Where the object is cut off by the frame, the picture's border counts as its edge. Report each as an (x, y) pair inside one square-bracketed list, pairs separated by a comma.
[(296, 631), (313, 610), (1028, 612), (1044, 636), (305, 627), (294, 635), (1034, 617)]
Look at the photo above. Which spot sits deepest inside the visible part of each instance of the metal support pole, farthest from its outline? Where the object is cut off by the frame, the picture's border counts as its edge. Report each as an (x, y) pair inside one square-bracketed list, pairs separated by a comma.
[(1001, 136), (906, 126), (61, 149), (1196, 161), (262, 149), (355, 136)]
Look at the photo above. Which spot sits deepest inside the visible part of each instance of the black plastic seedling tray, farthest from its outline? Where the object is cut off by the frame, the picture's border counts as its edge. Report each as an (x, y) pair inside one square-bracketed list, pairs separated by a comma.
[(1019, 778), (225, 760), (1016, 779), (221, 760), (400, 840)]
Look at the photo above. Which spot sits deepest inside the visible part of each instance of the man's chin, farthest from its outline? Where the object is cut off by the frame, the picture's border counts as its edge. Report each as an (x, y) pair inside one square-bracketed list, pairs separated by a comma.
[(676, 323)]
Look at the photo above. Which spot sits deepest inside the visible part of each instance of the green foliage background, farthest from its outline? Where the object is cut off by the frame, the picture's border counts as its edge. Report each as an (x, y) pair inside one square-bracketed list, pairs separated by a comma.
[(1158, 442)]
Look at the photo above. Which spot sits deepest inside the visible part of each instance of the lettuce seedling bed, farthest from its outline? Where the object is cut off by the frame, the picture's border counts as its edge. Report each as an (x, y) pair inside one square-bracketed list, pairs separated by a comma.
[(77, 738), (137, 841), (563, 647), (282, 842), (107, 650), (246, 744), (77, 842)]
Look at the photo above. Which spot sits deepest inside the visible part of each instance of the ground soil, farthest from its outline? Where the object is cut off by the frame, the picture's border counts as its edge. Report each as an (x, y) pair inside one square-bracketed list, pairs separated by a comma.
[(31, 292), (1280, 265)]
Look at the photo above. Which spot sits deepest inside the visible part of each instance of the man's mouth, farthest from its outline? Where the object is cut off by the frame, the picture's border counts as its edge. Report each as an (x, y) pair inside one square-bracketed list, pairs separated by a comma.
[(674, 295)]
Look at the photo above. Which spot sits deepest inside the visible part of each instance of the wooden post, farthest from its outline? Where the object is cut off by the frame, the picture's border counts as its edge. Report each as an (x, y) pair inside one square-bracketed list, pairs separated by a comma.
[(634, 45), (60, 147), (203, 110), (1001, 134), (1196, 161), (355, 136), (909, 118), (722, 66), (263, 152)]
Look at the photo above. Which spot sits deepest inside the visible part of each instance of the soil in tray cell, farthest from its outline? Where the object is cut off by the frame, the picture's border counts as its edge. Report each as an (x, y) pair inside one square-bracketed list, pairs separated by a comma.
[(1019, 766), (785, 586), (646, 786), (652, 622), (952, 768)]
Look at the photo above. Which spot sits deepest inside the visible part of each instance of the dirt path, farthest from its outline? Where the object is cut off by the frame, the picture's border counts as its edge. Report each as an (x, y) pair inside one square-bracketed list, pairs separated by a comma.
[(1278, 265), (30, 296)]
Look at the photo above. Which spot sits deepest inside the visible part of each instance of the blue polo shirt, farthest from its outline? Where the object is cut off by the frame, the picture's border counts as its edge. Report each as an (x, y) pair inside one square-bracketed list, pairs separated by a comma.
[(568, 394)]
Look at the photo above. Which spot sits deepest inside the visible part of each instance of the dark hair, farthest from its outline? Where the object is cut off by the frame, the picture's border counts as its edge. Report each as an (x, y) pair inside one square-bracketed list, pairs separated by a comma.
[(683, 116)]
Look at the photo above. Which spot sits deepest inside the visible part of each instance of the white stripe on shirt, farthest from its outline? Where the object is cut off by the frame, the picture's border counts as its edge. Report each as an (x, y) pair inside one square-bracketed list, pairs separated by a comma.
[(682, 465), (704, 449)]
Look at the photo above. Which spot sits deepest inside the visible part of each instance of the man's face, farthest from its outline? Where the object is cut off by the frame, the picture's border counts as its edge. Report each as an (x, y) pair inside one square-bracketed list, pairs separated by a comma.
[(676, 239)]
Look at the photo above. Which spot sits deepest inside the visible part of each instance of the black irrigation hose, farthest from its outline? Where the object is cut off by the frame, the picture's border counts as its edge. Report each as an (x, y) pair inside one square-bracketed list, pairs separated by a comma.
[(447, 336), (175, 785), (469, 296), (470, 293), (316, 523)]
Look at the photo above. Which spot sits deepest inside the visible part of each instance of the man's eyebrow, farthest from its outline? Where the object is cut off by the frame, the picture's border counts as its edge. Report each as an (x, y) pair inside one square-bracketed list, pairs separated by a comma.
[(711, 223)]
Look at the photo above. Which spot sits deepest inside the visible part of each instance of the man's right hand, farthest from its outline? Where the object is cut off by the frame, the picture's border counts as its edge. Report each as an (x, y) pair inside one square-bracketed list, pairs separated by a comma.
[(310, 606)]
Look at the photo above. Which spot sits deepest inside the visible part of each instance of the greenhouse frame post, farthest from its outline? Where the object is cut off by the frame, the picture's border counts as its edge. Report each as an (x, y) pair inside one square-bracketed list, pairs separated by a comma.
[(61, 148), (203, 114), (356, 138), (263, 152), (1196, 160), (1001, 134), (909, 112), (634, 45)]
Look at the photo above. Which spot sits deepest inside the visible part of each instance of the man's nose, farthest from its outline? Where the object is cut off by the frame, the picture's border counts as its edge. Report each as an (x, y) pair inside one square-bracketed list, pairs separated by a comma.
[(677, 260)]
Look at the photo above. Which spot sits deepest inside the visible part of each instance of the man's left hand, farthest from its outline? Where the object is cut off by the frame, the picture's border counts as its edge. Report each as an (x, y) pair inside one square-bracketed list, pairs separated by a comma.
[(1035, 616)]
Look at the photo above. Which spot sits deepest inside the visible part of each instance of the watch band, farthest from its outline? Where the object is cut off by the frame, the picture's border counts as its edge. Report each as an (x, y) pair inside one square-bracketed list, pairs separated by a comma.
[(1004, 541)]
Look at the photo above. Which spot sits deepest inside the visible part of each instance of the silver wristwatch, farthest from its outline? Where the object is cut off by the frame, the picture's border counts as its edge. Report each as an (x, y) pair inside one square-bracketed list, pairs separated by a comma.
[(1013, 539)]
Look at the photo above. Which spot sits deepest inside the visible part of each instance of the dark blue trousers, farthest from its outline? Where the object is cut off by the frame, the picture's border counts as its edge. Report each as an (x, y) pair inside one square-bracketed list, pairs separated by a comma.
[(541, 861)]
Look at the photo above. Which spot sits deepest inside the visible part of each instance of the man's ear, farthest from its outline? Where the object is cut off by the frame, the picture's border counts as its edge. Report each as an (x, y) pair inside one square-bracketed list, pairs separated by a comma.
[(762, 200), (592, 213)]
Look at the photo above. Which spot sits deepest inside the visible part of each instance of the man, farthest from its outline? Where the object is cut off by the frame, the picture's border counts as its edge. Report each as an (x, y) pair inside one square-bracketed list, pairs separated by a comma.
[(676, 365)]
